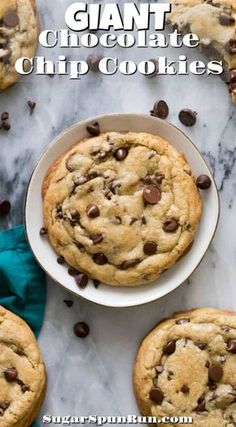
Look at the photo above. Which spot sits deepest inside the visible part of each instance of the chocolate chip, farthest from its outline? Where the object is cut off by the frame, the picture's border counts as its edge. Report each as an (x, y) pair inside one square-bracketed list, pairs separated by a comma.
[(93, 61), (231, 346), (151, 194), (169, 348), (10, 19), (4, 116), (81, 329), (61, 260), (68, 303), (201, 345), (188, 117), (215, 372), (72, 272), (43, 231), (100, 259), (94, 129), (231, 46), (203, 182), (159, 369), (185, 389), (3, 407), (11, 375), (150, 248), (5, 207), (25, 388), (233, 76), (156, 64), (160, 109), (170, 225), (181, 321), (121, 154), (143, 219), (97, 239), (226, 19), (5, 125), (201, 407), (31, 105), (92, 211), (156, 395), (19, 351), (128, 264), (96, 283), (81, 280)]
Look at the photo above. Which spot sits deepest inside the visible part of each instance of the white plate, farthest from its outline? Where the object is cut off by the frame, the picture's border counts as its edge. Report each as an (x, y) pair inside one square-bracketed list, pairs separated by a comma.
[(109, 295)]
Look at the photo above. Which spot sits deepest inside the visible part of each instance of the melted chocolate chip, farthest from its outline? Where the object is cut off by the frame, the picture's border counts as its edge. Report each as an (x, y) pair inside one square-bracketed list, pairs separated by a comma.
[(226, 19), (11, 374), (169, 348), (170, 226), (81, 329), (215, 372), (92, 211), (129, 264), (100, 259), (150, 248), (81, 280), (94, 129), (5, 207), (187, 117), (10, 19), (160, 110), (121, 154), (203, 182), (68, 303), (231, 346), (156, 395), (151, 195)]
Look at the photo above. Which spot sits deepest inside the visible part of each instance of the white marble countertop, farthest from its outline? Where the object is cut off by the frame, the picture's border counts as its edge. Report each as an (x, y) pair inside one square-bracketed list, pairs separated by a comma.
[(93, 376)]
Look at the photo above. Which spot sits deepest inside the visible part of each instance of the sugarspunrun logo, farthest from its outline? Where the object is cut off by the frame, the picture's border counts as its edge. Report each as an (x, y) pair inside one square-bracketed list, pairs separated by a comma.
[(117, 420)]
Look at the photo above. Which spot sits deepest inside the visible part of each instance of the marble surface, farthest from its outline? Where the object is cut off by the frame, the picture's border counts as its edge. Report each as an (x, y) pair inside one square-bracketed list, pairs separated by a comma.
[(94, 375)]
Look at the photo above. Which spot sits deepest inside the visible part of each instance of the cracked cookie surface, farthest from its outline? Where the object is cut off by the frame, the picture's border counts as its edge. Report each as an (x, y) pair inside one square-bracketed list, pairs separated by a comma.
[(186, 367), (121, 208), (19, 29), (214, 22), (22, 373)]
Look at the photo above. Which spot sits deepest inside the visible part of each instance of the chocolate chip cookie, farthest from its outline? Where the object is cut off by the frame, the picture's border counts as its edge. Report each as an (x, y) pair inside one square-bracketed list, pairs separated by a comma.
[(19, 29), (22, 373), (214, 22), (186, 367), (121, 207)]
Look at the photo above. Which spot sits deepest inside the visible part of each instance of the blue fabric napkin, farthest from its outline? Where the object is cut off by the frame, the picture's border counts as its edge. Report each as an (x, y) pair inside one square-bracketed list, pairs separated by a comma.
[(22, 282)]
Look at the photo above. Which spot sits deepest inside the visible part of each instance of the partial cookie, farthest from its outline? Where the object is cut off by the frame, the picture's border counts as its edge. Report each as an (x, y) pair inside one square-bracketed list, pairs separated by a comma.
[(186, 367), (19, 30), (121, 208), (22, 372), (214, 22)]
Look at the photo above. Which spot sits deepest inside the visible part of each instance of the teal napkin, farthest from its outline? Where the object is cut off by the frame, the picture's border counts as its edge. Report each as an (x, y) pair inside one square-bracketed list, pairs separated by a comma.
[(22, 282)]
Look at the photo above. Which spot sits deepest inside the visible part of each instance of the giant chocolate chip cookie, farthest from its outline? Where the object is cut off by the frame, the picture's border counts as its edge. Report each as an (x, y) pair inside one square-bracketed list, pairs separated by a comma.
[(186, 367), (19, 29), (121, 208), (214, 21), (22, 373)]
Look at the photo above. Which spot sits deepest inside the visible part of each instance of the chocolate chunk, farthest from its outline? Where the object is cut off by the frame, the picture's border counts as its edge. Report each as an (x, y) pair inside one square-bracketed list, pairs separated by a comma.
[(72, 272), (170, 225), (156, 64), (4, 116), (5, 125), (93, 61), (121, 154), (97, 239), (231, 346), (185, 389), (226, 19), (43, 231), (150, 248), (130, 263), (31, 105), (68, 302), (156, 395), (151, 194), (100, 259), (188, 117), (94, 129), (203, 182), (81, 329), (96, 283), (169, 348), (11, 375), (159, 369), (5, 207), (160, 109), (181, 321), (215, 372), (92, 211), (81, 280), (61, 260), (10, 19)]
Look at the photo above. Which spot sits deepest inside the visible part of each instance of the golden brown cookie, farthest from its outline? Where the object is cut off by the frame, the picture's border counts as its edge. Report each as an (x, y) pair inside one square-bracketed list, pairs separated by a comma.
[(19, 30), (186, 367), (214, 22), (121, 208), (22, 372)]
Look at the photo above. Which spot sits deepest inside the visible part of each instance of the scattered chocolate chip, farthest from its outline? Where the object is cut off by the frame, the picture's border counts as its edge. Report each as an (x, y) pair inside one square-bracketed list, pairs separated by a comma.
[(81, 329), (61, 260), (31, 105), (159, 369), (10, 19), (151, 194), (121, 154), (215, 372), (4, 116), (203, 182), (226, 19), (188, 117), (169, 348), (11, 375), (81, 280), (181, 321), (93, 61), (97, 239), (185, 389), (156, 64), (150, 248), (231, 346), (170, 226), (72, 272), (92, 211), (100, 259), (96, 283), (5, 207), (94, 129), (160, 109), (156, 395), (128, 264), (5, 125), (68, 302)]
